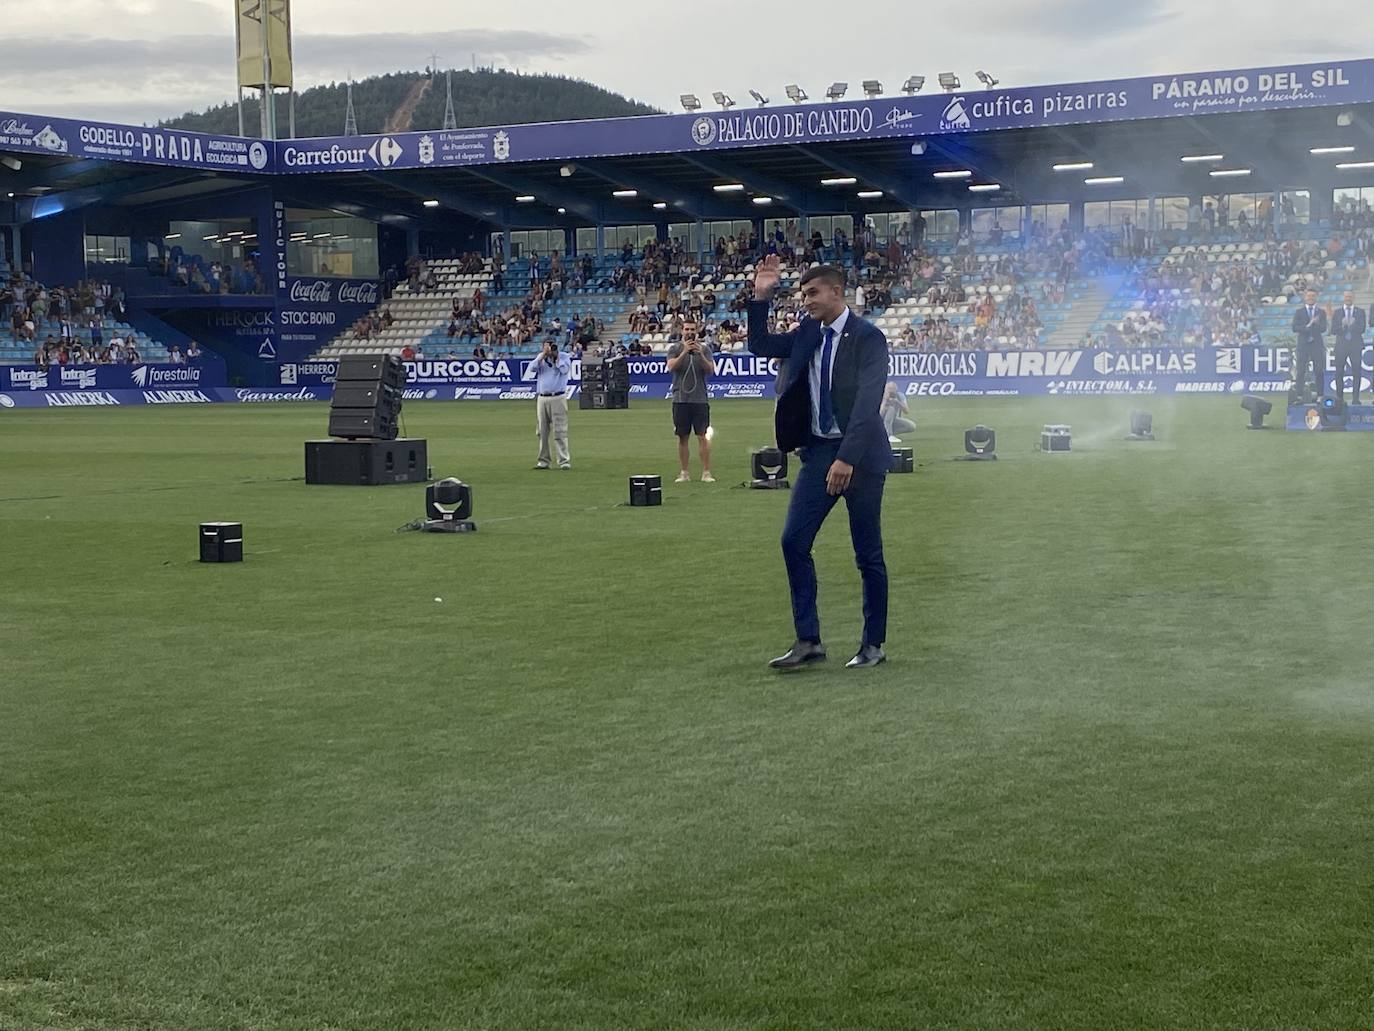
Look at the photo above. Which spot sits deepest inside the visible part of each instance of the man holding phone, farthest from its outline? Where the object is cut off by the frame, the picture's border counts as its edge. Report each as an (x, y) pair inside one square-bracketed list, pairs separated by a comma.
[(550, 371), (691, 364)]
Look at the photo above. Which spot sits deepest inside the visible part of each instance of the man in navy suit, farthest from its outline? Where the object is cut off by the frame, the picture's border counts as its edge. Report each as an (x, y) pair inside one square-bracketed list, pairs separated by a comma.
[(828, 411), (1348, 326), (1309, 323)]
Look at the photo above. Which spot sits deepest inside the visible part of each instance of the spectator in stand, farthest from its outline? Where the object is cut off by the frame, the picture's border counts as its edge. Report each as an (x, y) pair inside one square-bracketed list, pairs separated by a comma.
[(408, 353), (193, 351), (176, 357)]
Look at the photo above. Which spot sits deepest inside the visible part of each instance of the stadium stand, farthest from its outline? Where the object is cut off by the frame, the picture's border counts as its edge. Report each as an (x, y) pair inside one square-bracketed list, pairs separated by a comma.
[(79, 326)]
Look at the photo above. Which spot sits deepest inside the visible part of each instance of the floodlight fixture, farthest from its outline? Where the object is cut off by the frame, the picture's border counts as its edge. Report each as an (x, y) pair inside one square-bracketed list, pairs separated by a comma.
[(1351, 166), (1104, 180), (839, 180), (624, 194), (837, 90), (914, 85), (11, 162), (660, 205), (1228, 173), (762, 100), (918, 148), (1193, 159), (1331, 150), (431, 203), (949, 81), (723, 99), (869, 194), (1073, 166), (525, 198), (986, 79), (873, 88), (1345, 118), (953, 173), (566, 171), (728, 187), (690, 102), (984, 187), (795, 93)]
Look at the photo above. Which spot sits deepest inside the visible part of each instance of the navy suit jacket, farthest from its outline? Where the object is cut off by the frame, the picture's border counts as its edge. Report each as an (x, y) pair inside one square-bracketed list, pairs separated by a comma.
[(860, 374), (1312, 336), (1351, 332)]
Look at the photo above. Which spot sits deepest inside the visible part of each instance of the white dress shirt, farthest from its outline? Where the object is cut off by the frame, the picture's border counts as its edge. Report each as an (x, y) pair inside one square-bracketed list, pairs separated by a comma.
[(838, 326)]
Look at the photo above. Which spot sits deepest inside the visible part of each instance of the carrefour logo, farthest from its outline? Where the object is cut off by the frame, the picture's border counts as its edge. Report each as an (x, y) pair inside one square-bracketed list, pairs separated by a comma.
[(704, 131)]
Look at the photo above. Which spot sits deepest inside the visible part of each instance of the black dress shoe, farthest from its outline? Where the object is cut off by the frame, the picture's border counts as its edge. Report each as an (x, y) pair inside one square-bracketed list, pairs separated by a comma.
[(868, 655), (802, 653)]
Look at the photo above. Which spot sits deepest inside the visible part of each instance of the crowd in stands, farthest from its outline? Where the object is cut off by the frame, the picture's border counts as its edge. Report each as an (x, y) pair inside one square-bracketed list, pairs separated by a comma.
[(1191, 302), (210, 277)]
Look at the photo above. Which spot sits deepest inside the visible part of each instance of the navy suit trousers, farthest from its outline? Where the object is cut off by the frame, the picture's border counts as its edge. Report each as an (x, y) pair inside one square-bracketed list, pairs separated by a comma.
[(806, 512)]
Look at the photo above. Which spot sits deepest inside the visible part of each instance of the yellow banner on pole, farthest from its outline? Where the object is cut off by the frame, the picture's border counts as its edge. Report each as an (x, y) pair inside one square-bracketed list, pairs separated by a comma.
[(250, 36)]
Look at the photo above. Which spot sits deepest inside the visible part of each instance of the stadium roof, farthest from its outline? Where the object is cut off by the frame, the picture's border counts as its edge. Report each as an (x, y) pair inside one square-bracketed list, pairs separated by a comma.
[(1266, 120)]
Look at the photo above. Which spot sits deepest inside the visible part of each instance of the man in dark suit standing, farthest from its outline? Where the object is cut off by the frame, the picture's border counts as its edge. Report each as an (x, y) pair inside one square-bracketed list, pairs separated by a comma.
[(1347, 327), (1309, 323), (828, 411)]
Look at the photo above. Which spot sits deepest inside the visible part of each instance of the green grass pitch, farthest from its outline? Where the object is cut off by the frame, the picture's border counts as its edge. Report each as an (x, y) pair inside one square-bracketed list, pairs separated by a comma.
[(1116, 775)]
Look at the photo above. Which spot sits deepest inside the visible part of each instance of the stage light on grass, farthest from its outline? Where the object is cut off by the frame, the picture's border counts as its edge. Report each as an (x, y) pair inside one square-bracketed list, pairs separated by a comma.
[(1142, 426), (980, 444), (1258, 408), (448, 507)]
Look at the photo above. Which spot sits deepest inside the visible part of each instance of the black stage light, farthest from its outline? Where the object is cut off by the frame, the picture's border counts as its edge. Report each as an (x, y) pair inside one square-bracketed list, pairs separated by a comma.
[(1142, 426), (1333, 413), (448, 507), (980, 444), (769, 467), (1258, 408)]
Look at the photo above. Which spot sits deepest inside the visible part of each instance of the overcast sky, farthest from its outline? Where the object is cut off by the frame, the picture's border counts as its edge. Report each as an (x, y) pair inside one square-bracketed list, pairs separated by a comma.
[(141, 60)]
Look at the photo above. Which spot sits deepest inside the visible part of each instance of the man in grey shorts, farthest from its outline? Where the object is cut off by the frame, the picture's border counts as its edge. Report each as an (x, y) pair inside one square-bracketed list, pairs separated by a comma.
[(691, 364), (895, 412)]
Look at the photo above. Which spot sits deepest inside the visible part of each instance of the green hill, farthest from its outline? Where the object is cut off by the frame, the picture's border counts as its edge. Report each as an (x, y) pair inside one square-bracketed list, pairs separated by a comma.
[(484, 97)]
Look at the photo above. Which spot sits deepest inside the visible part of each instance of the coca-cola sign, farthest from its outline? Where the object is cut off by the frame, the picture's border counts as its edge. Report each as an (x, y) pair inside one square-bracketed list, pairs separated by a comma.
[(318, 292), (322, 291), (358, 293)]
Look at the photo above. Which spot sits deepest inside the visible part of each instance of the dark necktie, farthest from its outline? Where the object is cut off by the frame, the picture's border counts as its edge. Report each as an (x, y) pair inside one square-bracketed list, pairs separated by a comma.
[(826, 415)]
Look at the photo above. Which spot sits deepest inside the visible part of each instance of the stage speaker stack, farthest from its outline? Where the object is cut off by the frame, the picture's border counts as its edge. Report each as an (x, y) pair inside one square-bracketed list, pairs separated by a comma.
[(605, 383), (365, 412), (367, 397), (903, 460), (768, 467)]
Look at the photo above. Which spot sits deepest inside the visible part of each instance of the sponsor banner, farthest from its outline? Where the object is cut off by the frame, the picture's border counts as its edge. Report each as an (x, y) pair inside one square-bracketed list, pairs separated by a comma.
[(961, 111), (1345, 83), (206, 372), (106, 141)]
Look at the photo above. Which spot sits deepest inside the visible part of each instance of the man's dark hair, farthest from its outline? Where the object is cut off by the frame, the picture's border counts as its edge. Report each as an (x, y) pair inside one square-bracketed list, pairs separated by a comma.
[(831, 274)]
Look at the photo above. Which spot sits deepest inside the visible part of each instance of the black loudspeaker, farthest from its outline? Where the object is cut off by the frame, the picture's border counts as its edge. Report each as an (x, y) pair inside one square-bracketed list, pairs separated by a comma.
[(366, 462), (221, 542), (603, 399), (367, 397), (646, 490), (903, 460)]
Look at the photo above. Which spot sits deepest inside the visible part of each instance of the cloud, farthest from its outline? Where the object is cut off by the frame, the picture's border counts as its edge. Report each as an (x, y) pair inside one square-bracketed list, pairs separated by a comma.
[(1087, 20)]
